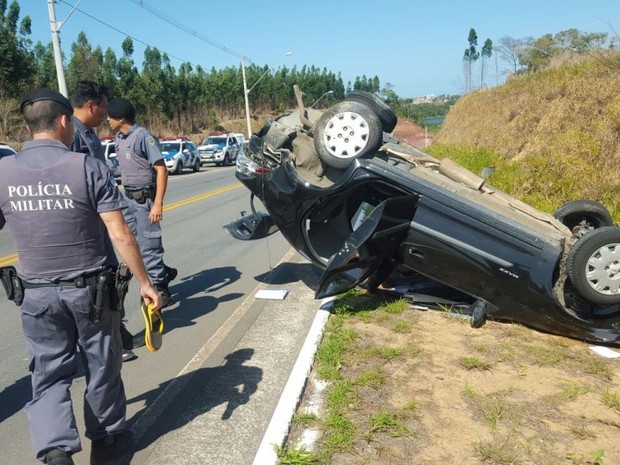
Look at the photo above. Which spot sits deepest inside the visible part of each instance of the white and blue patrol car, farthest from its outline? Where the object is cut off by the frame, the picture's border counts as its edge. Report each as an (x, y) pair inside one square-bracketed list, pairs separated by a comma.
[(219, 149), (180, 154)]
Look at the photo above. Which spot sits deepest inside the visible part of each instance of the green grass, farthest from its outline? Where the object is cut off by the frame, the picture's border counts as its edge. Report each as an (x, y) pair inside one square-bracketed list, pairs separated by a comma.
[(295, 456), (372, 379), (474, 363), (388, 423), (611, 400), (402, 327)]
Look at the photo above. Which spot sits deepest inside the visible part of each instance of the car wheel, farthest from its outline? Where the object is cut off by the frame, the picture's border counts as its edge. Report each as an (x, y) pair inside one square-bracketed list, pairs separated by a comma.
[(196, 166), (346, 131), (594, 265), (179, 168), (582, 216), (226, 161), (384, 112)]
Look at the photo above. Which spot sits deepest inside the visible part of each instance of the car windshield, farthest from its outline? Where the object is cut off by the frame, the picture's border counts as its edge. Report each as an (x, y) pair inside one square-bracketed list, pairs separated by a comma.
[(215, 140), (5, 151), (169, 146)]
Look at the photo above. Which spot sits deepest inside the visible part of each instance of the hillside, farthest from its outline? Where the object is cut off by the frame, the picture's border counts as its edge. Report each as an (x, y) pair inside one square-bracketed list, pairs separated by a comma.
[(560, 127)]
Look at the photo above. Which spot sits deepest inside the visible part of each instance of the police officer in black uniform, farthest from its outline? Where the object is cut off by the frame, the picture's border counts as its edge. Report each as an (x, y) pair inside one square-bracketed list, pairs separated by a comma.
[(145, 177), (90, 109), (54, 202)]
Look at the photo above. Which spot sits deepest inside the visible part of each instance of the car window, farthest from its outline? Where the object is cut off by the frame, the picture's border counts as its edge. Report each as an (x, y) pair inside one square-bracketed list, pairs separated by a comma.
[(4, 152), (169, 146), (216, 140)]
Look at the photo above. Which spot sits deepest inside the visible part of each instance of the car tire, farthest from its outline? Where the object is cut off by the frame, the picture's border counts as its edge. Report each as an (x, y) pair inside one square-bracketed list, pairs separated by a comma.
[(582, 216), (346, 131), (226, 161), (197, 166), (593, 265), (179, 168), (384, 112)]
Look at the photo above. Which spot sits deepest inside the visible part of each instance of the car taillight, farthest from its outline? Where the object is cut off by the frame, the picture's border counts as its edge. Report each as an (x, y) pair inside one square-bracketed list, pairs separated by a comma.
[(247, 166)]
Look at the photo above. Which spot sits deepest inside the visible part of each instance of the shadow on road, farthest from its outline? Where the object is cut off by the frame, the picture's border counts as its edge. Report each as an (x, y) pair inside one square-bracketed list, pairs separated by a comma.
[(286, 273), (197, 393), (13, 398)]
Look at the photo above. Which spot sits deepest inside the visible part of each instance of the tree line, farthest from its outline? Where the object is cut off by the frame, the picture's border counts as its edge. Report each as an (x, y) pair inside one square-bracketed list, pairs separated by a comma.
[(527, 54), (184, 100)]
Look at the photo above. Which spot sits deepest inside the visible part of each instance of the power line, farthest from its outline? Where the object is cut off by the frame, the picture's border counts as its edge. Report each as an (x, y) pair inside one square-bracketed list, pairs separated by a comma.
[(169, 19), (121, 32)]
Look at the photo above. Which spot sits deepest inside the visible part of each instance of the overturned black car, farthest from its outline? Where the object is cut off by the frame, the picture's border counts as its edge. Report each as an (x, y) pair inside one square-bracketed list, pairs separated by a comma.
[(373, 211)]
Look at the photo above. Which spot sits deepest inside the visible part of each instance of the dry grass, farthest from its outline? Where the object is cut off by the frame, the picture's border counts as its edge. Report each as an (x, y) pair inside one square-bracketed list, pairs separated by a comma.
[(558, 130), (445, 393)]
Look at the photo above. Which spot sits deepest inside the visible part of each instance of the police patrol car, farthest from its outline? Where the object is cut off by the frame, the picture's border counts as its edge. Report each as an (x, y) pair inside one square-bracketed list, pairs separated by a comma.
[(180, 154)]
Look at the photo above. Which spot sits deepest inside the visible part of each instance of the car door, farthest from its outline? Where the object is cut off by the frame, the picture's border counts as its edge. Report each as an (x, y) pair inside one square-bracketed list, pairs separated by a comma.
[(369, 248), (194, 152), (234, 148)]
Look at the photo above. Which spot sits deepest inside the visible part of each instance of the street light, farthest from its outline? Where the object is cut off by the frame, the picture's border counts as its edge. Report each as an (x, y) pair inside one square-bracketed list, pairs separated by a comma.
[(246, 91), (329, 92)]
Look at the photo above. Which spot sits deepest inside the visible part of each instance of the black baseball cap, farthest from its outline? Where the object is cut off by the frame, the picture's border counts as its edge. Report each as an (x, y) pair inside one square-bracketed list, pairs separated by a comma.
[(45, 94), (119, 108)]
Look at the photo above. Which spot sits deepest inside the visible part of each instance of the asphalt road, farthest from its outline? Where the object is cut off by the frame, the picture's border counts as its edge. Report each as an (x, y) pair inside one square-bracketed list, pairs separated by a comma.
[(216, 274)]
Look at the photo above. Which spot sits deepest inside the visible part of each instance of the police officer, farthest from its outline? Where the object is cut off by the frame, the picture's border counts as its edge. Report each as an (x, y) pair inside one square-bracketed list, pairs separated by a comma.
[(90, 109), (145, 177), (54, 201)]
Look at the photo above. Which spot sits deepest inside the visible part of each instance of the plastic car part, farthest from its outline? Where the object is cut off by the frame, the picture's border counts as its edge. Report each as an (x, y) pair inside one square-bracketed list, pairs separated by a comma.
[(479, 311), (346, 131), (594, 265), (257, 225), (384, 112), (581, 216)]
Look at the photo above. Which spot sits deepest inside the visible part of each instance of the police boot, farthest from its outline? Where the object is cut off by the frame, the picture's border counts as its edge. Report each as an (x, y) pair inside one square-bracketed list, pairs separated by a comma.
[(58, 457), (171, 273), (109, 449), (166, 297)]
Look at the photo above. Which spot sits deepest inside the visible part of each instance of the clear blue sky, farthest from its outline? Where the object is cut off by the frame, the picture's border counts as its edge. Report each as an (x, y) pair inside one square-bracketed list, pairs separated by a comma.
[(417, 46)]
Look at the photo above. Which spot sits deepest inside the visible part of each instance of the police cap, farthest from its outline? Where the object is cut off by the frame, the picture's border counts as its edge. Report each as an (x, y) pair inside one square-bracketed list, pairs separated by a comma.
[(119, 108), (45, 94)]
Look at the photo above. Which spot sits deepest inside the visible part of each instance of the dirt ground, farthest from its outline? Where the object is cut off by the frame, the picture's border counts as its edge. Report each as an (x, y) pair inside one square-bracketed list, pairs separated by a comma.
[(412, 134), (499, 394)]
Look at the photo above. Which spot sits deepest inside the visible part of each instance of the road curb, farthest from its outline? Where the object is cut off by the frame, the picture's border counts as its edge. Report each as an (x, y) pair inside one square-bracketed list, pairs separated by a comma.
[(280, 424)]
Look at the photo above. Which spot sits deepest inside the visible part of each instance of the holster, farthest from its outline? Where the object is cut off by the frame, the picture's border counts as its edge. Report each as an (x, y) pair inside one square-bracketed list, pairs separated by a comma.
[(122, 277), (12, 284), (141, 195), (104, 295)]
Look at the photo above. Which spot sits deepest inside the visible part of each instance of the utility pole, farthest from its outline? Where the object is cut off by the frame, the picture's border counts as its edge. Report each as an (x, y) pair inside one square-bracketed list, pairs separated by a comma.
[(247, 91), (55, 28), (247, 103)]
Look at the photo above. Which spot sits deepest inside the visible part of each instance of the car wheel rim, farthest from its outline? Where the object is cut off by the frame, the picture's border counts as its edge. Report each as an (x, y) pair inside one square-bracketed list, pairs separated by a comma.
[(346, 135), (603, 270)]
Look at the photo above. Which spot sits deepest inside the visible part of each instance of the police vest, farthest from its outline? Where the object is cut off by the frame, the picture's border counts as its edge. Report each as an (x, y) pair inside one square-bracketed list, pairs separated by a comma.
[(52, 215), (136, 169)]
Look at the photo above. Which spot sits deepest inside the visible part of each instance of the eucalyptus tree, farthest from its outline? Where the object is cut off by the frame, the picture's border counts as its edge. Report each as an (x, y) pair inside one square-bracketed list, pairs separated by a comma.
[(16, 60), (152, 86), (44, 66), (84, 63), (485, 52), (127, 73), (470, 56), (107, 74)]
